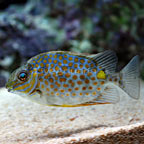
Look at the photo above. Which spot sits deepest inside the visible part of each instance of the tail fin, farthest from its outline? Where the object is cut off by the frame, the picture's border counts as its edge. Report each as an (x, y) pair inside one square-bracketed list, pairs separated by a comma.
[(130, 78)]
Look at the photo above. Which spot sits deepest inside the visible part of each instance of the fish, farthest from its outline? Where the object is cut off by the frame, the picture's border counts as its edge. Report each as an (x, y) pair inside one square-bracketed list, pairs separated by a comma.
[(66, 79)]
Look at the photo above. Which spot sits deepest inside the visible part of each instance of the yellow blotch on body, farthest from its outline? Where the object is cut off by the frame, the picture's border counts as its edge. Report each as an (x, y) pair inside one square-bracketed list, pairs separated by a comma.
[(62, 95), (42, 86), (98, 88), (45, 56), (73, 94), (92, 65), (54, 74), (94, 93), (50, 55), (87, 93), (78, 71), (46, 70), (84, 88), (55, 56), (75, 65), (46, 77), (59, 63), (45, 61), (65, 85), (41, 74), (75, 77), (52, 65), (62, 90), (64, 68), (93, 78), (47, 65), (40, 70), (55, 61), (60, 73), (67, 75), (79, 82), (70, 58), (67, 94), (88, 61), (87, 66), (80, 94), (82, 61), (101, 75), (70, 64), (72, 84), (76, 59), (51, 70), (62, 79), (69, 89), (49, 60), (102, 82), (81, 66), (65, 56), (56, 83), (52, 86), (39, 60), (51, 80), (65, 61), (52, 93), (95, 83), (60, 57), (36, 65), (38, 85), (56, 68), (90, 87), (46, 82), (55, 89), (41, 79), (89, 74), (76, 88), (42, 65)]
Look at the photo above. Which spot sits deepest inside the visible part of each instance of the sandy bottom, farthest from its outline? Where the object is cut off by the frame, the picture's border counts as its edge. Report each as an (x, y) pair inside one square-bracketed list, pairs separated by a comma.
[(22, 121)]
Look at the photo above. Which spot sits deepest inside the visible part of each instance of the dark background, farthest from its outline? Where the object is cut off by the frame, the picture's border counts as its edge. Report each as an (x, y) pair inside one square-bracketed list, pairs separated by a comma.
[(29, 27)]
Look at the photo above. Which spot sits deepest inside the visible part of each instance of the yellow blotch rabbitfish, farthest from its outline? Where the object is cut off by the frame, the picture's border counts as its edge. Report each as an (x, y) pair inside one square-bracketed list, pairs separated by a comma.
[(66, 79)]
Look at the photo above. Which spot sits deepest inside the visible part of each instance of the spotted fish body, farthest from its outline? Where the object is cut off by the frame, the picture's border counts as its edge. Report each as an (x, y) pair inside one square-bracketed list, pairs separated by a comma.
[(67, 79)]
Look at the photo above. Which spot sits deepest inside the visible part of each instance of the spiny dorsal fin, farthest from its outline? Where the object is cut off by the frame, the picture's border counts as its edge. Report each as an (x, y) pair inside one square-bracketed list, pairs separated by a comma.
[(107, 60)]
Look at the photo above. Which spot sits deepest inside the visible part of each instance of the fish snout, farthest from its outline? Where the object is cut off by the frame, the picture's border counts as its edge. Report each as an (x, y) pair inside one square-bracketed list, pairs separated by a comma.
[(9, 86)]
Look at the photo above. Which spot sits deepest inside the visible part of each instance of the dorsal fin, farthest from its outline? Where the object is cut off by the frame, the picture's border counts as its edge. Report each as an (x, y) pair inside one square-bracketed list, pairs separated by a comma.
[(107, 60)]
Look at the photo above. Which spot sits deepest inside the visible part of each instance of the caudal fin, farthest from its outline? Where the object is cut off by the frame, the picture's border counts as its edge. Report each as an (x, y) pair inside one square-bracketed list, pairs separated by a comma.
[(130, 78)]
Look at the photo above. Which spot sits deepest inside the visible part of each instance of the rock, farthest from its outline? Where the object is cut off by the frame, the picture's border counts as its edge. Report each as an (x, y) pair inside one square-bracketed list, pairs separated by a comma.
[(22, 121)]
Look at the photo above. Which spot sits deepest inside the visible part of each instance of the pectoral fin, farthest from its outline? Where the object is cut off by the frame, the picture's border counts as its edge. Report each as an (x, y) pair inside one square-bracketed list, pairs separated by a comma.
[(109, 95)]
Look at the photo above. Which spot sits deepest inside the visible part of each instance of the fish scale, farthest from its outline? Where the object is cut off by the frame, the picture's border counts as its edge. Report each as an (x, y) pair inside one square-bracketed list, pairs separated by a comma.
[(66, 79), (69, 86)]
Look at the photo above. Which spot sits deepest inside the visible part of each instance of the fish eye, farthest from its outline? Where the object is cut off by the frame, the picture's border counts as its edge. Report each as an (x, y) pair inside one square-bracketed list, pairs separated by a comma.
[(22, 76)]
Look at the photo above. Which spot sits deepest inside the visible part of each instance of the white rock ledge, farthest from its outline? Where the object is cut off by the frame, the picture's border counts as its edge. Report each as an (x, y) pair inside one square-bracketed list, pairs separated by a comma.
[(25, 122)]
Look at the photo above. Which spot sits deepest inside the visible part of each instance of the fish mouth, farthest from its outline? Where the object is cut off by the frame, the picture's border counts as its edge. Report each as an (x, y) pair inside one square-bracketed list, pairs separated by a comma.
[(8, 87)]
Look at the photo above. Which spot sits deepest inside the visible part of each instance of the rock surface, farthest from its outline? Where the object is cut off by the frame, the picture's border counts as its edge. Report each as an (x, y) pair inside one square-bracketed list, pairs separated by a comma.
[(25, 122)]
